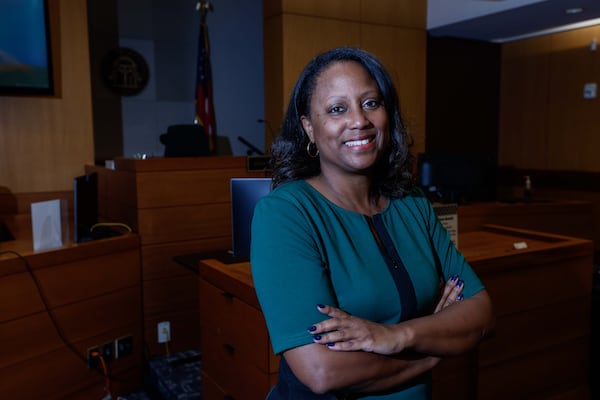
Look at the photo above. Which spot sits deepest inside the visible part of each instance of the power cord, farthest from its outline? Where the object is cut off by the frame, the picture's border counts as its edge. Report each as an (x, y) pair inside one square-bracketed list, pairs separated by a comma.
[(48, 310), (111, 224), (57, 327)]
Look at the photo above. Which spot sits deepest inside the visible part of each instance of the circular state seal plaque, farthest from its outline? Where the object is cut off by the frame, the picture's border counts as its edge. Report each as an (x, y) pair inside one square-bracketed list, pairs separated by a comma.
[(125, 71)]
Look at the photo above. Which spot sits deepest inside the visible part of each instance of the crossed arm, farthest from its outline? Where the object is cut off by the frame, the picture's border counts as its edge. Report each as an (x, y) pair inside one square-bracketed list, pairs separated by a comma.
[(358, 355)]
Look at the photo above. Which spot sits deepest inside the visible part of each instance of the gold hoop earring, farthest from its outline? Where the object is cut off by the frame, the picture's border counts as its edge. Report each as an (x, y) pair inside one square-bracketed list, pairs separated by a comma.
[(313, 154)]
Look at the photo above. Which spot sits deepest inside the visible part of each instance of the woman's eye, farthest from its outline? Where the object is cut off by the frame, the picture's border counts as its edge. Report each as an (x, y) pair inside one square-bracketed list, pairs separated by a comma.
[(371, 104), (336, 110)]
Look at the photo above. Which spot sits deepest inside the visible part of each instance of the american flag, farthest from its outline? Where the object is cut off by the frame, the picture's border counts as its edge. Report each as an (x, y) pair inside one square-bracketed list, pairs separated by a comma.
[(205, 115)]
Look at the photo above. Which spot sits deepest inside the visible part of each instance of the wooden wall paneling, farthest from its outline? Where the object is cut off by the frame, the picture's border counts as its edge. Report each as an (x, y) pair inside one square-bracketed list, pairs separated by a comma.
[(566, 217), (52, 137), (163, 225), (508, 288), (184, 187), (524, 89), (158, 258), (25, 330), (407, 13), (334, 9), (95, 277), (406, 63), (528, 331), (117, 195), (174, 299), (96, 316), (18, 296), (172, 293), (571, 118), (304, 37), (404, 13), (545, 122), (45, 377), (185, 331), (528, 376), (593, 196), (105, 304), (452, 372)]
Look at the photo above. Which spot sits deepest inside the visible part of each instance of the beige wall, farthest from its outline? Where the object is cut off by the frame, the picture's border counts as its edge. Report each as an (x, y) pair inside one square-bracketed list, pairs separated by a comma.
[(46, 141)]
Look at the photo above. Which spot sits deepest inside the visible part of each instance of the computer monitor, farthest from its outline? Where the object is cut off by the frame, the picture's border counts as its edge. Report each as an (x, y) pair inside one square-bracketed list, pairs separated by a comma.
[(245, 193), (85, 206)]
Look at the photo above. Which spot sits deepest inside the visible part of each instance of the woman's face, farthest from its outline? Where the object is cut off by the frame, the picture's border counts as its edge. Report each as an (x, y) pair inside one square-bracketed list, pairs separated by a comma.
[(348, 121)]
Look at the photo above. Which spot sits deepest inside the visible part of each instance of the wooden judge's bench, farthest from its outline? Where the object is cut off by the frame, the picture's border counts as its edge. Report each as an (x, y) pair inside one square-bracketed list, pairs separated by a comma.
[(177, 205), (540, 348)]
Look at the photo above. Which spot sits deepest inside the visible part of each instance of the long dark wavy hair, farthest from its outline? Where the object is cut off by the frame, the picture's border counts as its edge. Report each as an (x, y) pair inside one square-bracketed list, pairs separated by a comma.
[(290, 161)]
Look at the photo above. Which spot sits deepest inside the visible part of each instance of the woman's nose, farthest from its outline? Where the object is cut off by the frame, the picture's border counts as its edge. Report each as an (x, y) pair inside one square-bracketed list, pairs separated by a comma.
[(358, 119)]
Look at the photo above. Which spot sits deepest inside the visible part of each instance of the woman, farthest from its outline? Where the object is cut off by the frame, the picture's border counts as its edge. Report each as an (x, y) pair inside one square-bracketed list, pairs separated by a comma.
[(343, 229)]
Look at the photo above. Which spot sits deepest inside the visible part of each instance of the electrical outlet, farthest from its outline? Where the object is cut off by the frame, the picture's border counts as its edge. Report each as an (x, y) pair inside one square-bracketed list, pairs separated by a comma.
[(93, 357), (123, 346), (107, 352), (164, 332)]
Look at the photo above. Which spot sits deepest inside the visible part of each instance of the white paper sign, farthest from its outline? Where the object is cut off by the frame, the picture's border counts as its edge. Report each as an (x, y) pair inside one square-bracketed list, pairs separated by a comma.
[(46, 225)]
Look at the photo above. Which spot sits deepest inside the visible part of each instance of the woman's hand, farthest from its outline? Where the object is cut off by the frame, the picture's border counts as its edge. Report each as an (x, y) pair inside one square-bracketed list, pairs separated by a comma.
[(451, 293), (348, 333), (345, 332)]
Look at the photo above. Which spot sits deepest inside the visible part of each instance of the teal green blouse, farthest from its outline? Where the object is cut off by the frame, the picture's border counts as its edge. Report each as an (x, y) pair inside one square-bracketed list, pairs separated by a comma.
[(306, 251)]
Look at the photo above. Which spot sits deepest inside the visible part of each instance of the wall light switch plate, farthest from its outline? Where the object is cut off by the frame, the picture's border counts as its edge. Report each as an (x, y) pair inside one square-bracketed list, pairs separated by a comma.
[(589, 90), (164, 332)]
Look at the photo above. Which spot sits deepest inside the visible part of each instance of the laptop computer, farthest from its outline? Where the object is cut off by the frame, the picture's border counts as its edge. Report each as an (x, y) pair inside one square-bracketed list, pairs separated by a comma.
[(245, 193)]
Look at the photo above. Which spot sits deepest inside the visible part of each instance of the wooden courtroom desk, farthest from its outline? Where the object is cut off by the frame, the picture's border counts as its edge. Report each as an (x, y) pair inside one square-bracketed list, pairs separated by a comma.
[(177, 205), (570, 218), (540, 347), (93, 291)]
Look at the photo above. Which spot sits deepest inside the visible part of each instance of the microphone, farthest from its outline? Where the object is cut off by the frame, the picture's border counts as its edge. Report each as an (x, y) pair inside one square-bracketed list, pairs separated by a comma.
[(251, 147), (269, 127)]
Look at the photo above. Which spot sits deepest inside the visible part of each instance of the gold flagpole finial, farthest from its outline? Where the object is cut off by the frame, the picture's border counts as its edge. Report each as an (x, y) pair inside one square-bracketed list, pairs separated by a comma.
[(204, 6)]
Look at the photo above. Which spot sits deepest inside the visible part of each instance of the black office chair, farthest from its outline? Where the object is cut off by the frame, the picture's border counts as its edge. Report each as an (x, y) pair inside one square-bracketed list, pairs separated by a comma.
[(185, 141)]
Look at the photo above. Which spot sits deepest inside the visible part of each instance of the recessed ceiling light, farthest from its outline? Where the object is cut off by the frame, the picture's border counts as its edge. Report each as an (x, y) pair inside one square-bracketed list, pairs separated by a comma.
[(574, 10)]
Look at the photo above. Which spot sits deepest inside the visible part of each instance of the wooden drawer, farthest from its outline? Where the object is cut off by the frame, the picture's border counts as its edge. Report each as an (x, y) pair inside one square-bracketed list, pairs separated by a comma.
[(212, 391), (237, 327), (227, 367)]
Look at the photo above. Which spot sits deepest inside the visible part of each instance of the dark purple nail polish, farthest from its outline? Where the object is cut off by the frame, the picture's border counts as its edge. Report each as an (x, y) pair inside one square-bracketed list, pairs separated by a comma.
[(317, 337), (330, 344), (320, 305), (460, 297), (312, 328), (460, 283)]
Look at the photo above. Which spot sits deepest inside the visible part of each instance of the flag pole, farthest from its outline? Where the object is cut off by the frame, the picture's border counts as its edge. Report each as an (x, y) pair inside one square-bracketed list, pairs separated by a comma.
[(204, 6), (204, 103)]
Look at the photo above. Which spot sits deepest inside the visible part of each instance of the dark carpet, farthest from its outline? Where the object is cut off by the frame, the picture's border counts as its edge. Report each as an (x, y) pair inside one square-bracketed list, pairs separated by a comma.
[(171, 377)]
